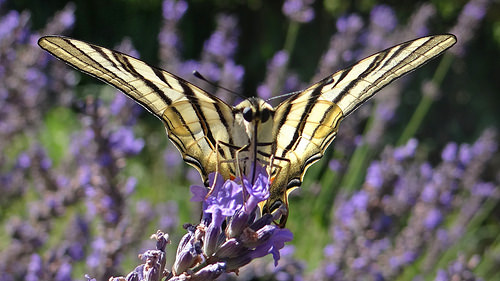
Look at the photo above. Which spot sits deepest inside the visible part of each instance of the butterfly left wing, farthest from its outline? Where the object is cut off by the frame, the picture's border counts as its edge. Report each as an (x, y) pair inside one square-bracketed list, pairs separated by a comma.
[(194, 119), (306, 123)]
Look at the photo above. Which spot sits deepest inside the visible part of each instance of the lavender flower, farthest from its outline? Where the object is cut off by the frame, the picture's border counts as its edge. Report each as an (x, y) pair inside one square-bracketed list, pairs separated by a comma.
[(168, 37), (367, 226), (299, 10), (472, 14), (276, 70), (209, 248), (460, 269)]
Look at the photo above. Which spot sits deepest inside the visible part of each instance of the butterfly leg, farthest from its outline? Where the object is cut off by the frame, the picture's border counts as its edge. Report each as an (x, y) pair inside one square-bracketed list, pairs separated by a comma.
[(233, 169)]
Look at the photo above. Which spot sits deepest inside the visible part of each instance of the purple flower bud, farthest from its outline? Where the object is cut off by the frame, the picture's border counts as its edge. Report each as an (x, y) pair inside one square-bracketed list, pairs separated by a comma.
[(67, 16), (279, 59), (76, 251), (124, 140), (23, 161), (129, 186), (186, 258), (441, 276), (334, 165), (231, 248), (359, 263), (298, 10), (222, 43), (446, 197), (212, 234), (331, 269), (449, 152), (329, 250), (349, 22), (426, 171), (465, 154), (153, 273), (433, 219), (409, 257), (263, 92), (374, 176), (8, 23), (118, 103), (236, 71), (360, 200), (484, 189), (238, 262), (35, 268), (64, 272), (238, 222), (185, 240), (174, 10), (209, 272), (474, 10), (161, 241), (395, 262), (406, 151), (442, 235), (429, 193), (384, 17)]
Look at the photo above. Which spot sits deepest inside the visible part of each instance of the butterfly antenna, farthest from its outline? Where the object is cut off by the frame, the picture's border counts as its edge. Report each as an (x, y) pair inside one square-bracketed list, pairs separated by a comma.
[(201, 77), (284, 95)]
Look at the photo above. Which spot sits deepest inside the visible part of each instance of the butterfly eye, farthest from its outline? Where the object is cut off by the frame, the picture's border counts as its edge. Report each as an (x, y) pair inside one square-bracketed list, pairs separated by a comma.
[(264, 115), (248, 114)]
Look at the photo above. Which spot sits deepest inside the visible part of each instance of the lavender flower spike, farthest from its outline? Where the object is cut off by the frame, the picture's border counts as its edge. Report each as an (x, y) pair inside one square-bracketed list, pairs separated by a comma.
[(299, 10), (213, 247)]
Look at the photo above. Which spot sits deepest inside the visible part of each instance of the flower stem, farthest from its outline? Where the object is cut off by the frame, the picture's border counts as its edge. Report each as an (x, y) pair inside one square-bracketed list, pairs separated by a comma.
[(359, 161), (291, 37), (425, 103)]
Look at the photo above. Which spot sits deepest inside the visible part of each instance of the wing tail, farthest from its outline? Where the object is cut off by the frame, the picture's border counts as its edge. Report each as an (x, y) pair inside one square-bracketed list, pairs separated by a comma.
[(351, 87)]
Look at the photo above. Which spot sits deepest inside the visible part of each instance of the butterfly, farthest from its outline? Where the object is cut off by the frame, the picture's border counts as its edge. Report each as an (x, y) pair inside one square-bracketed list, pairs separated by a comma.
[(213, 136)]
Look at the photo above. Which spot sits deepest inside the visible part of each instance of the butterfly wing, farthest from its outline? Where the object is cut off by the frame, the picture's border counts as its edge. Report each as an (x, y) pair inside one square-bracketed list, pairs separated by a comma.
[(306, 123), (194, 119)]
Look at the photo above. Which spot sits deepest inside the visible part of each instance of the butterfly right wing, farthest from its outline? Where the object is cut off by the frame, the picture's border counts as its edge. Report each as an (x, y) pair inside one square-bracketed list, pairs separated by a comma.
[(307, 122), (195, 120)]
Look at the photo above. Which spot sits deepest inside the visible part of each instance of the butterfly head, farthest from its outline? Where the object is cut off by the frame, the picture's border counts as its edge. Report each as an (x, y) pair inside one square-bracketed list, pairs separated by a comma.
[(256, 116), (255, 110)]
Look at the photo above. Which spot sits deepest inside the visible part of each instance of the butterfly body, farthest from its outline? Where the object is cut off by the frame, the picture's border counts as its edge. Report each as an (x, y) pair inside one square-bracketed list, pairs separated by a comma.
[(213, 136)]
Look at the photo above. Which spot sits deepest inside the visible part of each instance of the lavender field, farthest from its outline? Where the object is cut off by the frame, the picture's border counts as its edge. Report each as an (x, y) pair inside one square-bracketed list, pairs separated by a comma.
[(409, 190)]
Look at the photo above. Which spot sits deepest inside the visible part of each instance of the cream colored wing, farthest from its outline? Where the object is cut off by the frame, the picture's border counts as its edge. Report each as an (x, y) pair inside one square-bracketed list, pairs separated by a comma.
[(195, 120), (306, 123)]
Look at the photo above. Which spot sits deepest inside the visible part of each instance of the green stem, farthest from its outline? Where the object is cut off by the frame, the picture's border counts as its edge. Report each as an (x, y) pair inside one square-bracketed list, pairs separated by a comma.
[(425, 103), (358, 163), (291, 37)]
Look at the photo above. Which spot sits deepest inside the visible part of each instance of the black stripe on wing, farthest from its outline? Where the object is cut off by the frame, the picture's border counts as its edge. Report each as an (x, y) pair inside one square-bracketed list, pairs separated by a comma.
[(382, 68)]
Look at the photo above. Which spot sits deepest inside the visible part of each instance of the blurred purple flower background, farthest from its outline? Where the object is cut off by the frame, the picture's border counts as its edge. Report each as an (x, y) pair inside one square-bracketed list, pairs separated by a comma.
[(86, 178)]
